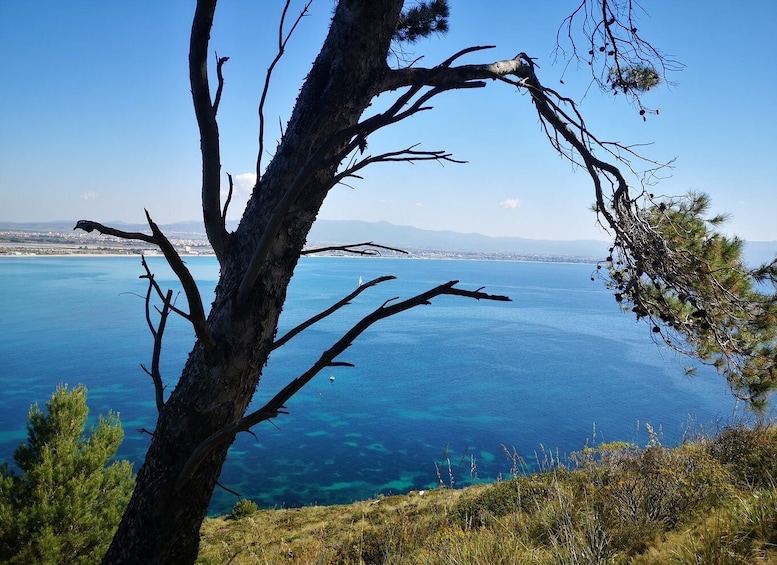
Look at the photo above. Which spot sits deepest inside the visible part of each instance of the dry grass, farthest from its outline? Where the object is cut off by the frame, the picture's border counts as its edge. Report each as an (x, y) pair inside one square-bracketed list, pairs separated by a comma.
[(713, 501)]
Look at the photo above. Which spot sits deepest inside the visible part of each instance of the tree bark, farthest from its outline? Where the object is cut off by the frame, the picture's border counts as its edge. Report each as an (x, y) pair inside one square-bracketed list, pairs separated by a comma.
[(162, 522), (176, 482)]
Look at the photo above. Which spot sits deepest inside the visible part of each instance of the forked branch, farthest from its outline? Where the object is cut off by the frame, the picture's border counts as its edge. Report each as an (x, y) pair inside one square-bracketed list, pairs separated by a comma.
[(276, 405), (196, 313), (158, 334), (409, 155)]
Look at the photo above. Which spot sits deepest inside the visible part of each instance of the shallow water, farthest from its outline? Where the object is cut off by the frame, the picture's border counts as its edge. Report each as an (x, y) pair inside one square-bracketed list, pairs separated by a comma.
[(455, 380)]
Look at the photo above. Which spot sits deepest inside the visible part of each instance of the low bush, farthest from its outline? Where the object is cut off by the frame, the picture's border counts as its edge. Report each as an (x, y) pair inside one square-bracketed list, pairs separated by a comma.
[(242, 508), (750, 454), (527, 494)]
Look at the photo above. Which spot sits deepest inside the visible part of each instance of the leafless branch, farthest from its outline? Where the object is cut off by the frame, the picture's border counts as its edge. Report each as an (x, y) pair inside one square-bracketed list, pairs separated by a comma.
[(157, 333), (229, 198), (446, 74), (89, 226), (205, 112), (154, 373), (367, 248), (358, 133), (282, 41), (153, 284), (229, 490), (408, 155), (276, 405), (623, 217), (336, 148), (614, 49), (219, 63), (196, 310), (331, 310)]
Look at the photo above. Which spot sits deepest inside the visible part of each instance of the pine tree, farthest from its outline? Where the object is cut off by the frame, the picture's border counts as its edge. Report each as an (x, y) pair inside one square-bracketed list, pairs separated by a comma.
[(691, 283), (422, 20), (67, 501)]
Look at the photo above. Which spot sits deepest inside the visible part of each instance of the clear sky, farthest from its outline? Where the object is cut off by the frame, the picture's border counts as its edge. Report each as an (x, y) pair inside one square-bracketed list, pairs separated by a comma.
[(96, 119)]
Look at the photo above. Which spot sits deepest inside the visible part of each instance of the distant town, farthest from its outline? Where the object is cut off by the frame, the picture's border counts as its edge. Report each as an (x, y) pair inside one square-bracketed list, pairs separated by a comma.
[(81, 243), (34, 241), (59, 238)]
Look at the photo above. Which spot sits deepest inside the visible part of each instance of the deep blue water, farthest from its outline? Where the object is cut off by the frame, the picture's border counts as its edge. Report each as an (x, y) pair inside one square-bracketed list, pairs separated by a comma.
[(459, 377)]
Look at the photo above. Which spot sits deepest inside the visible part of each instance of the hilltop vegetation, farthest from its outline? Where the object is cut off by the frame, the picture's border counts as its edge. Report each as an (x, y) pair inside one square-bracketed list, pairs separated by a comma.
[(709, 501)]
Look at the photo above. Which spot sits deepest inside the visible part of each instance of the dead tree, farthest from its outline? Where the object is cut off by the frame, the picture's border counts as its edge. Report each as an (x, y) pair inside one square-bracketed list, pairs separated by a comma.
[(323, 144)]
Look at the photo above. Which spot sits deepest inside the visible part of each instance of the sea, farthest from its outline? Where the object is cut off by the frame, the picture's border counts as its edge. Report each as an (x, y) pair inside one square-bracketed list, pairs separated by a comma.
[(441, 395)]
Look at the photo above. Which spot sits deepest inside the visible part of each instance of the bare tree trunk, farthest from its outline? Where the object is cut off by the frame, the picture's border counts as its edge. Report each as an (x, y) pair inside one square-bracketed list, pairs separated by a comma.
[(162, 522)]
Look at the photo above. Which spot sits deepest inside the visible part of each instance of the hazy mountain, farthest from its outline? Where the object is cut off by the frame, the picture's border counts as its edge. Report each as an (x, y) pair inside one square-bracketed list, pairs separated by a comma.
[(415, 239), (194, 229)]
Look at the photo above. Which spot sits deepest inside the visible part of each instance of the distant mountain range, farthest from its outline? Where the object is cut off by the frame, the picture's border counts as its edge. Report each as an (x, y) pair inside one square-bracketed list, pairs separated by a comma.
[(337, 232), (415, 239)]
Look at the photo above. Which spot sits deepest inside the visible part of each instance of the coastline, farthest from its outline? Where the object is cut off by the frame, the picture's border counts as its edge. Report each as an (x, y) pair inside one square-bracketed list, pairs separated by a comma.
[(434, 256), (54, 244)]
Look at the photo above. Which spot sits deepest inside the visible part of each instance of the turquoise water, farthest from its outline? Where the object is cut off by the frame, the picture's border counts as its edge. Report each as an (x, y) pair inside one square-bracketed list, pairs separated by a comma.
[(458, 377)]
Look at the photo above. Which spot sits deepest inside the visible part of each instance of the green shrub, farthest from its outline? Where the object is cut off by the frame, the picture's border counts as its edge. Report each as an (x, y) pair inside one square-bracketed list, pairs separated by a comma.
[(500, 499), (242, 508), (668, 485), (750, 454), (66, 504)]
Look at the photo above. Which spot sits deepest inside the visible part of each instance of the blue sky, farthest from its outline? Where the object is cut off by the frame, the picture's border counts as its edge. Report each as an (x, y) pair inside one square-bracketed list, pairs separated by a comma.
[(96, 119)]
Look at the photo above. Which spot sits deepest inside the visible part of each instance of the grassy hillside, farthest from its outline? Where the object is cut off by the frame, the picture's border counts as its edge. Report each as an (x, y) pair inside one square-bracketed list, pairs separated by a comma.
[(709, 501)]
